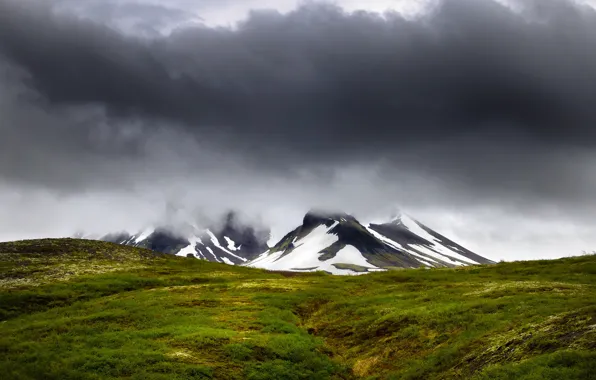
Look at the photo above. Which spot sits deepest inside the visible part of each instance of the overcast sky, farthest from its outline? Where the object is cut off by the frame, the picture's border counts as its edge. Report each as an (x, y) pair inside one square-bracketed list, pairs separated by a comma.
[(476, 117)]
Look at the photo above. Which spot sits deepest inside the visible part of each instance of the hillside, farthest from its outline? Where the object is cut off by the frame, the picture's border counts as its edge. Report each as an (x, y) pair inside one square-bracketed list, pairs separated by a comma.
[(76, 309)]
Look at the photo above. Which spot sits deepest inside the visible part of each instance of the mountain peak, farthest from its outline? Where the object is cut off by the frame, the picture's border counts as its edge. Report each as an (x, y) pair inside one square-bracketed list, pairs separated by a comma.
[(338, 243), (316, 217), (396, 214)]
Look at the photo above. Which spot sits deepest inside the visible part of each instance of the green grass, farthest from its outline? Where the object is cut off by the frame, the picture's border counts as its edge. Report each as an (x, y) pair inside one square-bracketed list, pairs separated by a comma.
[(73, 309), (352, 267)]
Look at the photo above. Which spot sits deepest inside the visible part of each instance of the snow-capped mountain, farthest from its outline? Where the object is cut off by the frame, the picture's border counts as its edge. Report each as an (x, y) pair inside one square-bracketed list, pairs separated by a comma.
[(233, 244), (336, 243), (339, 244)]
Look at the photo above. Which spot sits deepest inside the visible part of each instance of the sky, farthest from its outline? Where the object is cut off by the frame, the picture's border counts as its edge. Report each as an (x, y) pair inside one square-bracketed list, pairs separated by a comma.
[(475, 117)]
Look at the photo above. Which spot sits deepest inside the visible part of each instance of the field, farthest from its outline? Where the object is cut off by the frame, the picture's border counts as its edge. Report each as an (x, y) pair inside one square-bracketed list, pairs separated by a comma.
[(76, 309)]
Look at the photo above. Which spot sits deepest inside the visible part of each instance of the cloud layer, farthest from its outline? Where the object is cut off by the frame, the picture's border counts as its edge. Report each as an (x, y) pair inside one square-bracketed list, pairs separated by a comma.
[(472, 106)]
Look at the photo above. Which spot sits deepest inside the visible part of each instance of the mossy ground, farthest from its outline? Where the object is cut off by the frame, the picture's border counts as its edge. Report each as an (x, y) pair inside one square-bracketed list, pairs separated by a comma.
[(73, 309)]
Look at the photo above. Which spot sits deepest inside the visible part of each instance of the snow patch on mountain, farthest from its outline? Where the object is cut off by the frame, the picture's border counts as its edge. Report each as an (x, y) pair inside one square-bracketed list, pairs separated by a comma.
[(438, 250), (227, 261), (384, 239), (231, 244), (217, 244), (423, 259), (190, 248), (302, 255), (144, 235), (212, 254), (305, 256), (350, 255)]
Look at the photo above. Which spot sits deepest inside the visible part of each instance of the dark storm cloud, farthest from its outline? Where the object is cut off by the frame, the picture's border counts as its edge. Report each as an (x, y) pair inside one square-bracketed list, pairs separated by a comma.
[(473, 93), (145, 18), (339, 81)]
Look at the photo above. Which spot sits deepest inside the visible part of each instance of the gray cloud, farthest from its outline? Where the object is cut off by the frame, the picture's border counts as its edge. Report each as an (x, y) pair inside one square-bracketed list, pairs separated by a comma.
[(145, 19), (470, 106), (324, 72)]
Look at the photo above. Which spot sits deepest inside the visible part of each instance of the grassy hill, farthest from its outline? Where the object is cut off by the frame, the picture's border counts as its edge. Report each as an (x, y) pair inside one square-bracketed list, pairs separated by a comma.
[(76, 309)]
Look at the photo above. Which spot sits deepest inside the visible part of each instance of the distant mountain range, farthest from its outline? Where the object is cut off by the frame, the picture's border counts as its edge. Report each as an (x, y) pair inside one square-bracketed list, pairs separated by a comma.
[(333, 242), (234, 243)]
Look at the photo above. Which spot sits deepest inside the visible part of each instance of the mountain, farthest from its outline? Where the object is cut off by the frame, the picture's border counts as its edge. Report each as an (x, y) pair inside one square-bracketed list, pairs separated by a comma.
[(333, 242), (340, 244), (234, 243)]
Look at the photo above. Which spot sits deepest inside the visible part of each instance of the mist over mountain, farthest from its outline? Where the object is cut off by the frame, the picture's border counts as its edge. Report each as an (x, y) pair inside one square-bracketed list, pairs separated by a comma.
[(230, 241), (333, 242)]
